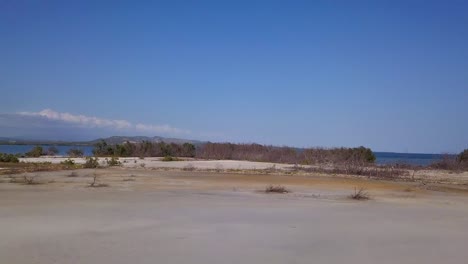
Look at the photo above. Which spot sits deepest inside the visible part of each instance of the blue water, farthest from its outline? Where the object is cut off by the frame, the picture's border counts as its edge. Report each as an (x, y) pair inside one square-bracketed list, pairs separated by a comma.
[(15, 149), (382, 157), (406, 158)]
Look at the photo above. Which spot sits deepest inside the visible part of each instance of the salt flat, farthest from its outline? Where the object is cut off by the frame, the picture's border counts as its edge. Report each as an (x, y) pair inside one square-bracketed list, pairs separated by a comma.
[(201, 217)]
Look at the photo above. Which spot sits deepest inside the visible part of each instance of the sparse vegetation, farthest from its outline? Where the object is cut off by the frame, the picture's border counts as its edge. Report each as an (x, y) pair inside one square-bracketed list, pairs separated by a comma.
[(37, 151), (91, 162), (8, 158), (68, 162), (30, 180), (95, 183), (276, 189), (113, 161), (359, 194), (455, 163)]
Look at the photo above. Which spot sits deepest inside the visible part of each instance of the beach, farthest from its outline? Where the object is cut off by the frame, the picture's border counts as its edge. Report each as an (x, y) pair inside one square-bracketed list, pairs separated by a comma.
[(170, 215)]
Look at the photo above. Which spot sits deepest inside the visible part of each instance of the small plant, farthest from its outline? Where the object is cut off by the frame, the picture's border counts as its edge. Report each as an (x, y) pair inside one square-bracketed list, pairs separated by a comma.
[(35, 152), (170, 158), (359, 194), (113, 162), (91, 162), (73, 174), (276, 189), (30, 180), (95, 183), (68, 162)]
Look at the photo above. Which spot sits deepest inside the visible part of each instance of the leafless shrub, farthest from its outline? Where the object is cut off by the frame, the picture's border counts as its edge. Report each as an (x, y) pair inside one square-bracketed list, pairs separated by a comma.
[(359, 194), (450, 163), (276, 189), (378, 172), (95, 183), (30, 180)]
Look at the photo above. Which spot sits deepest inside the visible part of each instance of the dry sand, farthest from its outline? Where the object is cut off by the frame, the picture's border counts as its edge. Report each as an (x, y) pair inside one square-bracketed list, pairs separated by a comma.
[(155, 216)]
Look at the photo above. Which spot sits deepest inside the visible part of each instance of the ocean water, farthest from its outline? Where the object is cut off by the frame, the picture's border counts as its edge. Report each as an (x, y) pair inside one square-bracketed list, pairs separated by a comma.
[(382, 157), (406, 158), (15, 149)]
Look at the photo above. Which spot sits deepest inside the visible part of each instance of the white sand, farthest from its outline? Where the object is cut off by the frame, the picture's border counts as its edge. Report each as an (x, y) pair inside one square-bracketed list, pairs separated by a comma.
[(199, 217), (157, 163)]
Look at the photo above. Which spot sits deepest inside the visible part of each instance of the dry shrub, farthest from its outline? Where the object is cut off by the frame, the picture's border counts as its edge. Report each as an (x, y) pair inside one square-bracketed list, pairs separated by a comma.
[(378, 172), (95, 183), (30, 180), (359, 194), (276, 189)]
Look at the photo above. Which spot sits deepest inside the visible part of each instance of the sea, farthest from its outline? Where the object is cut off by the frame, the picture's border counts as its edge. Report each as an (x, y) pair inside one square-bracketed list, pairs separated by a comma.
[(381, 157)]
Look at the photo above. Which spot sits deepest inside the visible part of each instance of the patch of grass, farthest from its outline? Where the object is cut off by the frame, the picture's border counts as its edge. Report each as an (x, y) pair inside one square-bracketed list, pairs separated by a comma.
[(25, 167), (170, 158), (276, 189), (359, 194)]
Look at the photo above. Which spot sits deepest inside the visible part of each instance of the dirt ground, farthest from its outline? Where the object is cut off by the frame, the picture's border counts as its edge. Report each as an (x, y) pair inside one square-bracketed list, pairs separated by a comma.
[(148, 215)]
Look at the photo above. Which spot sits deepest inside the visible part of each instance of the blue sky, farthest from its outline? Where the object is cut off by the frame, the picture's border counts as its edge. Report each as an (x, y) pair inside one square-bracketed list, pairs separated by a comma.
[(390, 75)]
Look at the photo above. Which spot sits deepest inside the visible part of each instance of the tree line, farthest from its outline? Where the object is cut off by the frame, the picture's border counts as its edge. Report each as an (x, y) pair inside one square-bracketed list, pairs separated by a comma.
[(230, 151)]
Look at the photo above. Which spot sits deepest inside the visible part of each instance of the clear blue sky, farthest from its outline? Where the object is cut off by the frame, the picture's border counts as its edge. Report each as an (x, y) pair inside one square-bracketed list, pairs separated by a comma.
[(390, 75)]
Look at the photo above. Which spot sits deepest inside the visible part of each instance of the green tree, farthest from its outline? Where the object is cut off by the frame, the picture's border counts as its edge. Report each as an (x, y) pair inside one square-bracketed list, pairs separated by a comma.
[(37, 151)]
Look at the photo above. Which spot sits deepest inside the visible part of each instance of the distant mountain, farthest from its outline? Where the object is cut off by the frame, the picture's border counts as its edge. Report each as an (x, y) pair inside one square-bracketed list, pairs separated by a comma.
[(135, 139), (110, 140)]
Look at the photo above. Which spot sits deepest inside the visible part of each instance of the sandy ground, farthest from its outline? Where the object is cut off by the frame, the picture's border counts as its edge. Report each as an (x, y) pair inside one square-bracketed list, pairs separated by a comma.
[(155, 162), (157, 216)]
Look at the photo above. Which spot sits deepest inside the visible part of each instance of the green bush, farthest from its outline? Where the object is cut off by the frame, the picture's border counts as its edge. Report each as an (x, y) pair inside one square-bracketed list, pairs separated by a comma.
[(68, 162), (170, 158), (113, 162), (91, 162), (8, 158), (37, 151)]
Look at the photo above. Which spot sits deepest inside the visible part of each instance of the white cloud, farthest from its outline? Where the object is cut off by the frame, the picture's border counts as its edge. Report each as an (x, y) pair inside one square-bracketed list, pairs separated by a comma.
[(95, 122)]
